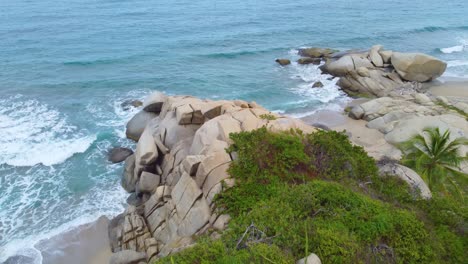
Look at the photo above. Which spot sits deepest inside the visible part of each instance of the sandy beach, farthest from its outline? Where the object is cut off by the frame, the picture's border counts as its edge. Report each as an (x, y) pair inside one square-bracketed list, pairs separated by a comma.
[(451, 87), (85, 244)]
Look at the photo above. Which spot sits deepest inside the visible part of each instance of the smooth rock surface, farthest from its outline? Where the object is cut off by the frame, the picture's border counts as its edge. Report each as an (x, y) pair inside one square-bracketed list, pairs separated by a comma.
[(409, 176), (417, 66), (137, 124)]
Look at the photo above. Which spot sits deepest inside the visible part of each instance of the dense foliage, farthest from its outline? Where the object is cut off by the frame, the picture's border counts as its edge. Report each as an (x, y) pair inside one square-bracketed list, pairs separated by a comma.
[(320, 194)]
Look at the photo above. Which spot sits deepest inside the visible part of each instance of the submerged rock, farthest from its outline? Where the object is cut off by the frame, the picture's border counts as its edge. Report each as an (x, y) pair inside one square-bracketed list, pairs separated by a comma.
[(119, 154), (317, 85), (127, 104), (283, 62)]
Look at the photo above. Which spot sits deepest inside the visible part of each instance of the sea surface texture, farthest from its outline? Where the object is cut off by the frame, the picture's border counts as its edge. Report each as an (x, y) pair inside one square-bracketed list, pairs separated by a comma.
[(66, 67)]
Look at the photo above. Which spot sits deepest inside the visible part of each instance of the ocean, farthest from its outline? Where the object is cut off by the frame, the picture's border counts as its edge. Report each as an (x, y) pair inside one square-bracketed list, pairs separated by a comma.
[(66, 67)]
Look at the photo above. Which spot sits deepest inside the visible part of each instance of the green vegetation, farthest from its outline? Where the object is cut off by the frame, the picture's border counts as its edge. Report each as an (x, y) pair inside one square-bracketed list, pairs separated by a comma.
[(437, 159), (319, 194), (268, 117)]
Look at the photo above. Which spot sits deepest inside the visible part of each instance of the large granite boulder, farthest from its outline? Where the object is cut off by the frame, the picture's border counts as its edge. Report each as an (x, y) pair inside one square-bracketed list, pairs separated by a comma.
[(346, 64), (137, 124), (417, 67), (371, 82), (407, 175)]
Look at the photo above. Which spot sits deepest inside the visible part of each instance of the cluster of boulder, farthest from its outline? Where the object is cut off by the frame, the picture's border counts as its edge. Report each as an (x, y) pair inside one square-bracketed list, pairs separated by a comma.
[(375, 72), (401, 107), (179, 165)]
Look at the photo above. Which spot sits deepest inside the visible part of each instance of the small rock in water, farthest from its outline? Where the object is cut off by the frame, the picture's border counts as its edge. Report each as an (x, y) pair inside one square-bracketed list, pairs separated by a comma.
[(283, 62), (119, 154), (317, 85), (303, 61), (128, 104)]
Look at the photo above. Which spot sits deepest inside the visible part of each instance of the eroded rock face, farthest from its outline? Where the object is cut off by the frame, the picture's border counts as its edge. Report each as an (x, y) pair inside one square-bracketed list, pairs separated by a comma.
[(179, 166), (417, 67)]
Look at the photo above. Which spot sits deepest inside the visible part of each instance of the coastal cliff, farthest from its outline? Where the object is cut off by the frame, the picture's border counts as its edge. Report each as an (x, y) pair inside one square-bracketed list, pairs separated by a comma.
[(186, 151)]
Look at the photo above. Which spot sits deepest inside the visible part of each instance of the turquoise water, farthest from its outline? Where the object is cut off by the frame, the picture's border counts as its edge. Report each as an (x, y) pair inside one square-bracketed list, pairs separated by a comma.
[(65, 67)]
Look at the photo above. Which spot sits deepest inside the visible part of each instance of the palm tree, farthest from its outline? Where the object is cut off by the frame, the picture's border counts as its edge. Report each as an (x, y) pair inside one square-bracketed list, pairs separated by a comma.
[(437, 159)]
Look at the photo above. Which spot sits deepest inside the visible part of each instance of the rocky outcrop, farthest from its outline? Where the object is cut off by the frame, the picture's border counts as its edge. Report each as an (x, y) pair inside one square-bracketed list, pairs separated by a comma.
[(380, 72), (417, 67), (402, 117), (179, 166), (409, 176)]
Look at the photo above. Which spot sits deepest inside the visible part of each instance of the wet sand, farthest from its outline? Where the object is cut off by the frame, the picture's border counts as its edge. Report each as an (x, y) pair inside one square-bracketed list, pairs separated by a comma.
[(456, 88), (84, 244)]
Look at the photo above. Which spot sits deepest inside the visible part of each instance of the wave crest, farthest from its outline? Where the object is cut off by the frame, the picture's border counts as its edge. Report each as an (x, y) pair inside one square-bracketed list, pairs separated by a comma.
[(33, 133)]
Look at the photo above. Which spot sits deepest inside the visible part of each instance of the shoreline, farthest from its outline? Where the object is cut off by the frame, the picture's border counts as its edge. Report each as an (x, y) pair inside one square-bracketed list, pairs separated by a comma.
[(372, 140), (88, 243)]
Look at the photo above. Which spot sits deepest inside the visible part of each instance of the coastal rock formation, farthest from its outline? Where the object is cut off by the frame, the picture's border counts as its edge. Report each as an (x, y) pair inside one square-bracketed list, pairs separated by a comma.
[(377, 72), (179, 166)]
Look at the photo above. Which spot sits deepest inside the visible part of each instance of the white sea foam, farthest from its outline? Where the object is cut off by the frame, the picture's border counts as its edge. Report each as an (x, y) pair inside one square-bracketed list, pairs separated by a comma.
[(329, 96), (38, 204), (32, 133), (461, 47), (458, 48)]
